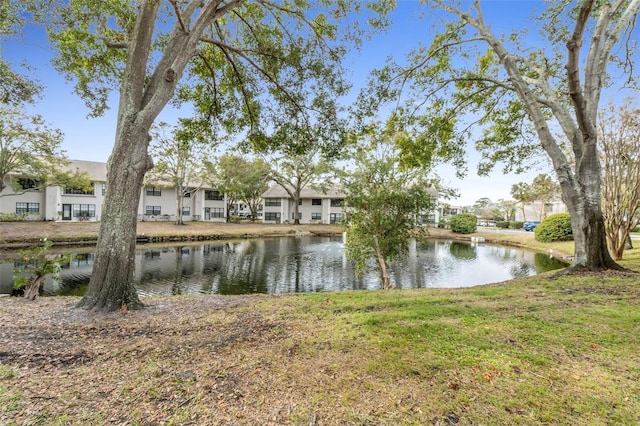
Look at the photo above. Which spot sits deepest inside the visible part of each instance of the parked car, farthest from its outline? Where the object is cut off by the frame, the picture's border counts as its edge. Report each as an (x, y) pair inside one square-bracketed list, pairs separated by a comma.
[(529, 225)]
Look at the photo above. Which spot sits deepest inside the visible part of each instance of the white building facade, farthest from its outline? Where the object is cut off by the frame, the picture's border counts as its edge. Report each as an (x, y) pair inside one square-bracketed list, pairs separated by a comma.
[(317, 206), (538, 210), (314, 206), (55, 203)]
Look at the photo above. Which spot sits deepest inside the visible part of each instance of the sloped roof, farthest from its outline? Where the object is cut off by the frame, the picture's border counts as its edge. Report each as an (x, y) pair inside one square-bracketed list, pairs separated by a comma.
[(97, 171), (277, 191), (334, 191)]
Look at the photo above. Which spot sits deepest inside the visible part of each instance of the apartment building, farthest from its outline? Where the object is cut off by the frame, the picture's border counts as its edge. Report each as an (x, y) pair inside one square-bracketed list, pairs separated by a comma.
[(314, 206), (55, 203), (317, 206)]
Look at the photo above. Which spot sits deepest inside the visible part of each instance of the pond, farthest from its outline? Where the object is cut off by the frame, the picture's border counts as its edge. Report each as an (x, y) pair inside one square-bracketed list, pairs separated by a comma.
[(299, 264)]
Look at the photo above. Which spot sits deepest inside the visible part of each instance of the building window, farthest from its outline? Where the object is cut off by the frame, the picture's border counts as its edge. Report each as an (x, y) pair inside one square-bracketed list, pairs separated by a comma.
[(27, 208), (274, 216), (335, 218), (84, 210), (26, 183), (272, 202), (187, 194), (293, 215), (154, 192), (104, 188), (316, 201), (152, 210), (217, 212), (213, 195), (316, 216), (336, 202), (78, 191), (186, 211)]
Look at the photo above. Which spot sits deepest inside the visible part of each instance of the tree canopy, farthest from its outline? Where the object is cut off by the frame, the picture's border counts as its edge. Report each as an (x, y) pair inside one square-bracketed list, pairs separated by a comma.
[(384, 201), (240, 179)]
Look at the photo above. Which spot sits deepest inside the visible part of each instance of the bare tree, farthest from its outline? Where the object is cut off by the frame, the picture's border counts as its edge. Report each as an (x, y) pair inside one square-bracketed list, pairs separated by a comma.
[(619, 141)]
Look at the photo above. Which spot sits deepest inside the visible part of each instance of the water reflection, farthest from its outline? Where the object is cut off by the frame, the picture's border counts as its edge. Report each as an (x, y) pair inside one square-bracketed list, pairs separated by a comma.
[(301, 264)]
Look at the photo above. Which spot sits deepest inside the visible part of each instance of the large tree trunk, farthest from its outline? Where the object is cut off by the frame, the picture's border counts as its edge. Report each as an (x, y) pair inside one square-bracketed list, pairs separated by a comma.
[(111, 285), (583, 198), (142, 97), (296, 210)]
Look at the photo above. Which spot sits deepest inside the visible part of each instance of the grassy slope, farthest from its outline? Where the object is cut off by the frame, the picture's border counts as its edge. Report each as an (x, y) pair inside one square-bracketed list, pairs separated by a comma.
[(539, 350)]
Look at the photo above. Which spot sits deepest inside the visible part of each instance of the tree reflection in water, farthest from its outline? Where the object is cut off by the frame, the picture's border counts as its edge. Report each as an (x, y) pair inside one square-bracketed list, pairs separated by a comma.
[(302, 264)]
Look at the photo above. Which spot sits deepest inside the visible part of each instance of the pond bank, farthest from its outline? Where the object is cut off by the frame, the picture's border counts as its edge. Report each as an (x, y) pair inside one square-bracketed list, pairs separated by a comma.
[(24, 234)]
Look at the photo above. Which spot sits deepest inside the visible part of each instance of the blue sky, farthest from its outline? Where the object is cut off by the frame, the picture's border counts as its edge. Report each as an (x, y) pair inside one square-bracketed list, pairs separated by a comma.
[(92, 138)]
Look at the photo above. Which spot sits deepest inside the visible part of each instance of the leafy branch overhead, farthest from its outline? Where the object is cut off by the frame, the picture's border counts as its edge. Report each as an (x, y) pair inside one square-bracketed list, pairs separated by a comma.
[(252, 63)]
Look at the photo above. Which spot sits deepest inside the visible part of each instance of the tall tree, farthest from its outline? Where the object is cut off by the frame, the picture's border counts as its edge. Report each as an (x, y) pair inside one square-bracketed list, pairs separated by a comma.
[(241, 180), (254, 181), (619, 139), (384, 199), (520, 94), (545, 190), (523, 194), (295, 172), (249, 61), (506, 209), (179, 153)]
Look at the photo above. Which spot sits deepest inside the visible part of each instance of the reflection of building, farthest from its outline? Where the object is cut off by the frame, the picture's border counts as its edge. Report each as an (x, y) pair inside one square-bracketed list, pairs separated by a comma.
[(537, 210), (317, 206), (75, 204)]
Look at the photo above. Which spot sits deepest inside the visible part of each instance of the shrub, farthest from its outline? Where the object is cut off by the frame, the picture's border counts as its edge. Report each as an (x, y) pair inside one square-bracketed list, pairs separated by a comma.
[(463, 223), (13, 217), (502, 224), (556, 227), (516, 225)]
